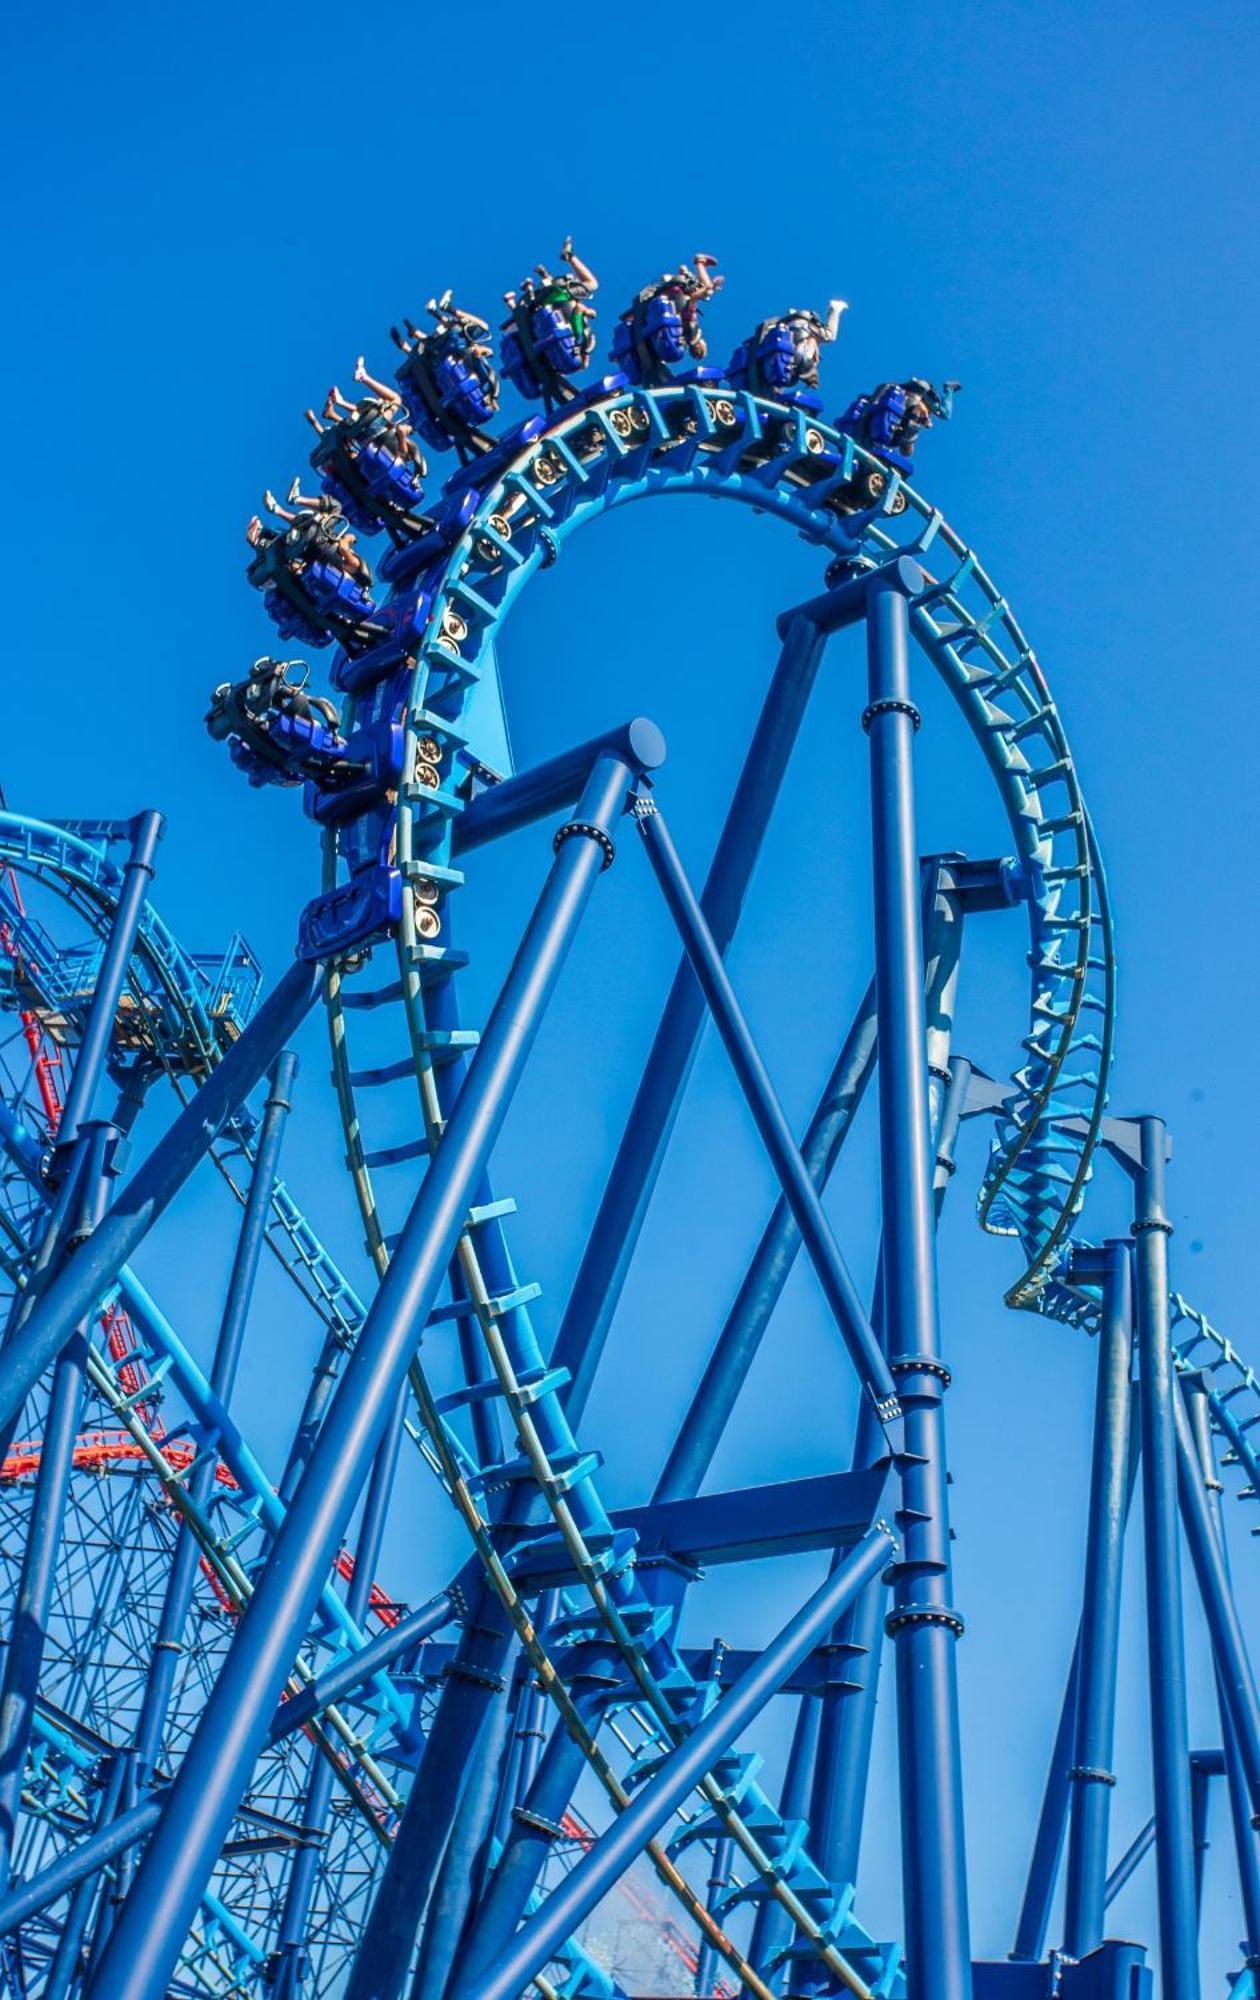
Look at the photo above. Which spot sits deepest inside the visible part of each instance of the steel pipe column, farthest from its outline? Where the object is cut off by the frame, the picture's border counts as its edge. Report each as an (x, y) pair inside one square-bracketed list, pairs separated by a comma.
[(1178, 1916), (1090, 1776), (1246, 1849), (155, 1919), (923, 1624)]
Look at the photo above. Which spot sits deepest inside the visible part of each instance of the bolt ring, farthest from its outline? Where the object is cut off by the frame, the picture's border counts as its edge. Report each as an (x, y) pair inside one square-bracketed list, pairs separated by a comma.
[(919, 1364), (573, 827), (891, 706), (923, 1614)]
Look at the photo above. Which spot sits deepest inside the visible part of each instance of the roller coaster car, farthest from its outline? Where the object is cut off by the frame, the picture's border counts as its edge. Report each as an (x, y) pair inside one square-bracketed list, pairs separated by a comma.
[(660, 329), (373, 483), (276, 732), (449, 388), (774, 358), (887, 424), (307, 591), (545, 340)]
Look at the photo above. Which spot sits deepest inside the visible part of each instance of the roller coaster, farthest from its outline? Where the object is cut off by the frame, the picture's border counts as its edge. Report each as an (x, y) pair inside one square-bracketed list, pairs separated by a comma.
[(232, 1759)]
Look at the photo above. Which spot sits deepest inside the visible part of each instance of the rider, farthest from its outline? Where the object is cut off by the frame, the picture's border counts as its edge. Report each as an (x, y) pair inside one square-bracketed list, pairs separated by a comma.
[(245, 713), (570, 295), (383, 402), (690, 290), (327, 525), (810, 334)]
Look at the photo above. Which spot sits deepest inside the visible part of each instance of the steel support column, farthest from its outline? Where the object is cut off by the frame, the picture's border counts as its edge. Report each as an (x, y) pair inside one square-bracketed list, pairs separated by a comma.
[(1090, 1776), (776, 1135), (227, 1353), (216, 1767), (1178, 1919), (923, 1624)]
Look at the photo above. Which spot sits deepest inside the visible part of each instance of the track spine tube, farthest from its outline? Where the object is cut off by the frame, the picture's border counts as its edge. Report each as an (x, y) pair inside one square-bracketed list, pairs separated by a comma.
[(924, 1623), (177, 1863), (1178, 1917), (1090, 1775)]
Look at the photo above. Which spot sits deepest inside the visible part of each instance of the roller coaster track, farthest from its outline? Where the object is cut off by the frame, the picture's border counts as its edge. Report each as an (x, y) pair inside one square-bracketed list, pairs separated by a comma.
[(500, 521), (606, 450), (609, 450)]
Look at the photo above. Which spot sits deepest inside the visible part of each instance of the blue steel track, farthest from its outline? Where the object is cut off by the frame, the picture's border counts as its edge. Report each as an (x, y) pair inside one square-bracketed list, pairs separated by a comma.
[(557, 1582)]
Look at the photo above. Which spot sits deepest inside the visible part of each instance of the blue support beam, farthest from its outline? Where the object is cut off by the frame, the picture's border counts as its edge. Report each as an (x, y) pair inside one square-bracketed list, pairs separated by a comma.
[(606, 1260), (98, 1035), (923, 1624), (181, 1581), (1091, 1776), (679, 1774), (75, 1291), (216, 1767), (1246, 1847), (828, 1511), (776, 1135), (1157, 1395)]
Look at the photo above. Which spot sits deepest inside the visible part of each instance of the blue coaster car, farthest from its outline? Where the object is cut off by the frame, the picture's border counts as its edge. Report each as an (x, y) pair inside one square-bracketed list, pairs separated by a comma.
[(277, 733), (649, 339), (366, 907), (768, 362), (539, 348), (450, 391), (306, 593), (297, 745), (372, 483), (878, 423)]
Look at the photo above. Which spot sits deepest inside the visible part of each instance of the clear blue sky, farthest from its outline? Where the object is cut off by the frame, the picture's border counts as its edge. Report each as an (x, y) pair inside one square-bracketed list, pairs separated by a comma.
[(216, 210)]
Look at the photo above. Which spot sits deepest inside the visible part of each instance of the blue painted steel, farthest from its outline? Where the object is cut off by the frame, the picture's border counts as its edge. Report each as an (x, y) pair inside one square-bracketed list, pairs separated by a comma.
[(923, 1623), (676, 1777), (623, 1207), (547, 788), (291, 1970), (847, 1722), (1157, 1396), (217, 1765), (223, 1369), (726, 1370), (1246, 1848), (776, 1135), (153, 1186), (1229, 1650), (1091, 1776), (111, 977)]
